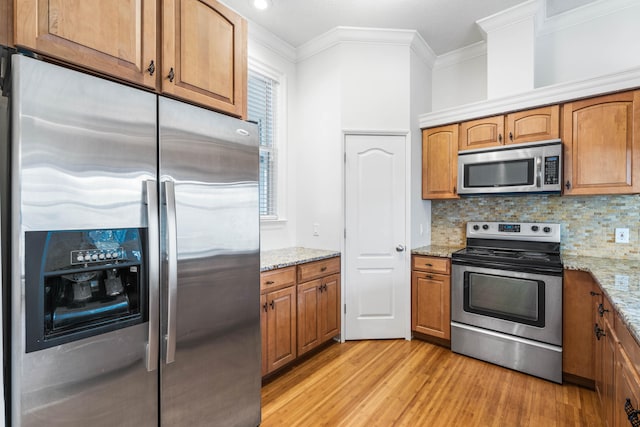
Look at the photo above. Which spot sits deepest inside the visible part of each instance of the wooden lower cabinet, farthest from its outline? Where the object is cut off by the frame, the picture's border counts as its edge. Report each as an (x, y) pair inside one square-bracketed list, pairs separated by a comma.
[(279, 308), (431, 296), (318, 312), (627, 391), (298, 316), (580, 293)]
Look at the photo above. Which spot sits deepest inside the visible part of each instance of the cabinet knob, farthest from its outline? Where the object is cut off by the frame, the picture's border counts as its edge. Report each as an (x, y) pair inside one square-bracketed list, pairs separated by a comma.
[(265, 307), (269, 282), (500, 138), (320, 288), (568, 185), (171, 75), (511, 136), (593, 294), (152, 68), (324, 287), (273, 306), (323, 268)]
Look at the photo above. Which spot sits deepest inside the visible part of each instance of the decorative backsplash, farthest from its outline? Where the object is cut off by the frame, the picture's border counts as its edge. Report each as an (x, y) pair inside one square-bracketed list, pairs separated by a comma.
[(588, 222)]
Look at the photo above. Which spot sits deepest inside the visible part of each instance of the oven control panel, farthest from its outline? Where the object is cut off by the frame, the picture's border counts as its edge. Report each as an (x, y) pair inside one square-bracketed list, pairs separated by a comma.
[(531, 231)]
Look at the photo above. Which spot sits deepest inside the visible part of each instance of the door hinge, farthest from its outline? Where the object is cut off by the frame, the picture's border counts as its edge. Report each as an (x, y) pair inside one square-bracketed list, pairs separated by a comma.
[(345, 233), (345, 309), (345, 157)]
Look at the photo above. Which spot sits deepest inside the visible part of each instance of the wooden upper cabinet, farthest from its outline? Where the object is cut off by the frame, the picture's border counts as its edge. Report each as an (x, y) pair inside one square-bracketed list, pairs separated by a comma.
[(116, 37), (204, 51), (601, 137), (6, 22), (440, 162), (482, 133), (538, 124)]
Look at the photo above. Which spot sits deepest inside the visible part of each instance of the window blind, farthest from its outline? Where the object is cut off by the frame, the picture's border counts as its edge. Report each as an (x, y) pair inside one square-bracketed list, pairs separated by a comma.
[(262, 108)]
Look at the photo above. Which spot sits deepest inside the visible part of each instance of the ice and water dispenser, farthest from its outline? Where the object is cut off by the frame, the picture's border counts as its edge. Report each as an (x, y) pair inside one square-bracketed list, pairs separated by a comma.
[(83, 283)]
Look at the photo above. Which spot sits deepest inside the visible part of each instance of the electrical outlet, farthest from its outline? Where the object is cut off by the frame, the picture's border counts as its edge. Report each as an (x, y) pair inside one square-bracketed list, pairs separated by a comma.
[(622, 235), (316, 229)]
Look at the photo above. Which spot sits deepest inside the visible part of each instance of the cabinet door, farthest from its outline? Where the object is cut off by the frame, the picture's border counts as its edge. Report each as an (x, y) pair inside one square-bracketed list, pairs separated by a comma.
[(281, 327), (538, 124), (578, 344), (431, 304), (6, 23), (115, 37), (627, 388), (309, 315), (204, 47), (264, 309), (440, 162), (482, 133), (600, 138), (330, 307)]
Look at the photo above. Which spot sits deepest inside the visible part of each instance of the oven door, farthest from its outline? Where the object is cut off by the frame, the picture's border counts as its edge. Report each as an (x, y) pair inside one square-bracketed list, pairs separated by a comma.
[(522, 304)]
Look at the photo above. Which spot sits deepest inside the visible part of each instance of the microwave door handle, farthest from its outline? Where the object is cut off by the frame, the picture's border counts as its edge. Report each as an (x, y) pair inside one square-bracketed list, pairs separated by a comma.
[(539, 172), (172, 271), (153, 236)]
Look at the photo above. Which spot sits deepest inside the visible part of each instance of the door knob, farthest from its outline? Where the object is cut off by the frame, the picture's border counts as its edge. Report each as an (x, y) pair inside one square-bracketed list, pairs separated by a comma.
[(400, 248)]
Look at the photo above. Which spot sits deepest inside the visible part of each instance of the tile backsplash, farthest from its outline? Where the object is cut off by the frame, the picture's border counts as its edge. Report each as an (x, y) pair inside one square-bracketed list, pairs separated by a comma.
[(588, 222)]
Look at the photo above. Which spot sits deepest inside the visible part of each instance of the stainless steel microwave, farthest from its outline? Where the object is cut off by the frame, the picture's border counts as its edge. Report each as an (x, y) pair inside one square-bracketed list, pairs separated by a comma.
[(522, 168)]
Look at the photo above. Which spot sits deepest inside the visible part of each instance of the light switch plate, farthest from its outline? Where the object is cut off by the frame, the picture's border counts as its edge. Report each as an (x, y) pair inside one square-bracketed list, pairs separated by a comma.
[(622, 235)]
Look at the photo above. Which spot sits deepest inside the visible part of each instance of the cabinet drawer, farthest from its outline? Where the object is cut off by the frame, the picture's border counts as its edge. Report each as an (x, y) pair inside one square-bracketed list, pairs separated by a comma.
[(432, 264), (317, 269), (276, 279)]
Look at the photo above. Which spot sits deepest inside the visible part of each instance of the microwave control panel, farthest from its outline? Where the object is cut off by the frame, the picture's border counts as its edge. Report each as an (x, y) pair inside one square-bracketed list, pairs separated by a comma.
[(551, 170)]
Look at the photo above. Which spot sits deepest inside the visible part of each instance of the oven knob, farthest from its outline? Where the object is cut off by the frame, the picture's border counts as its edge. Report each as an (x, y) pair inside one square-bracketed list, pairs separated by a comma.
[(547, 229), (80, 258), (476, 227), (87, 257), (485, 227), (534, 228), (108, 255), (94, 257), (115, 255), (101, 256)]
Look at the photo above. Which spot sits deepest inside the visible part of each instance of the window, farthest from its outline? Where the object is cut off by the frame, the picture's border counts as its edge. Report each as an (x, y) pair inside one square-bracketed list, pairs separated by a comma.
[(262, 109)]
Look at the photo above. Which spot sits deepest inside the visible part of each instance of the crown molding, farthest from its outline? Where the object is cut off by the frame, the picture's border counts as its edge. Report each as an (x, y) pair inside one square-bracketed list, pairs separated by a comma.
[(582, 14), (460, 55), (339, 35), (554, 94), (265, 38), (509, 16)]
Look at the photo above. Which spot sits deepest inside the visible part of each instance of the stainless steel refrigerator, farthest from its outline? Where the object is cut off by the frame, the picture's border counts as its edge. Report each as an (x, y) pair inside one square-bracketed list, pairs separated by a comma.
[(134, 260)]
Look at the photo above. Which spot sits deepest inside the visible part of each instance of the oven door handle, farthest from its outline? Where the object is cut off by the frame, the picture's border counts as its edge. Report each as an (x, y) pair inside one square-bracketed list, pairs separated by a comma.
[(539, 172), (551, 271)]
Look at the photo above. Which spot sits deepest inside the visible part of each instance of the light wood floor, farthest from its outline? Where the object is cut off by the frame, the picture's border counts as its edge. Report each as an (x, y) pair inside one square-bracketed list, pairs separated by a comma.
[(413, 383)]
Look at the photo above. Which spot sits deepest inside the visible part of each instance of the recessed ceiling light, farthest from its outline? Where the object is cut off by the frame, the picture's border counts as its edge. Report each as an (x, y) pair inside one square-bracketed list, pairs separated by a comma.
[(261, 4)]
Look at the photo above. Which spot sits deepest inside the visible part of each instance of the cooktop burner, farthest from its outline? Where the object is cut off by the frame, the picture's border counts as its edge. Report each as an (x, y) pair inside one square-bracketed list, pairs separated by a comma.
[(525, 244)]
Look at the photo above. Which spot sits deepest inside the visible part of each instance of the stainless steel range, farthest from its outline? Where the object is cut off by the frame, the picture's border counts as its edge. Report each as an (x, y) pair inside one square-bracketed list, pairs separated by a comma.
[(506, 297)]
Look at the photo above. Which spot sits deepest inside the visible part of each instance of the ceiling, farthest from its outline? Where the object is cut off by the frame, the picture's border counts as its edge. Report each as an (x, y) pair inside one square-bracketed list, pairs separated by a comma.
[(445, 25)]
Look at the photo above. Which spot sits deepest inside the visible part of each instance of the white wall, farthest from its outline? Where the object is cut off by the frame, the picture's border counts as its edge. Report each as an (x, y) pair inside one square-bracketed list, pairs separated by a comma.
[(273, 56), (460, 77), (596, 39), (319, 151), (420, 93), (590, 48)]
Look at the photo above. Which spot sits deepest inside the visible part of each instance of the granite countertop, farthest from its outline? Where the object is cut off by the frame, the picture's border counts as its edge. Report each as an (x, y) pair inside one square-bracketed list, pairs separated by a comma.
[(436, 250), (620, 281), (280, 258)]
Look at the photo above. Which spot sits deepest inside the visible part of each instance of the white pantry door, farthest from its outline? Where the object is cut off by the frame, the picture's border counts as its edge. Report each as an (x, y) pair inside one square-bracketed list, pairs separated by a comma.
[(375, 288)]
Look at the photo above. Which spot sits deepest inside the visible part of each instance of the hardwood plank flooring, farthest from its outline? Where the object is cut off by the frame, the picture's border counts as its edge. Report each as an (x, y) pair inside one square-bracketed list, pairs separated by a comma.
[(414, 383)]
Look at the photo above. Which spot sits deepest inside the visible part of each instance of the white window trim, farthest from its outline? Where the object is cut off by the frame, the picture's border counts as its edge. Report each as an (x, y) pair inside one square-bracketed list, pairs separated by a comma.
[(282, 139)]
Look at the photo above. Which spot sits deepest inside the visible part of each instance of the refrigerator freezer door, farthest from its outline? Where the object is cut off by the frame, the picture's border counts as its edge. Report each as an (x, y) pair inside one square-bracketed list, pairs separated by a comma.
[(212, 161), (82, 150)]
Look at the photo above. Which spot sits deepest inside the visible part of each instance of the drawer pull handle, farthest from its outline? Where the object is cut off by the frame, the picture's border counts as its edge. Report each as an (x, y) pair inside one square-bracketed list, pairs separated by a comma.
[(270, 282), (593, 294), (265, 307), (602, 310), (429, 265), (632, 414), (429, 276), (272, 305), (323, 268)]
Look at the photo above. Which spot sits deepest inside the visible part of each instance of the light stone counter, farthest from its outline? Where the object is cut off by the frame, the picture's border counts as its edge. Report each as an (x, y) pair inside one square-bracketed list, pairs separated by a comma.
[(620, 280), (436, 250), (280, 258)]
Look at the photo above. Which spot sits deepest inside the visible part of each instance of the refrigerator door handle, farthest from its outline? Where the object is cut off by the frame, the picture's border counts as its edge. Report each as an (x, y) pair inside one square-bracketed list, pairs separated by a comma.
[(172, 271), (153, 236)]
